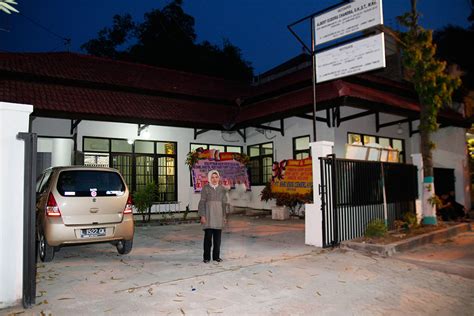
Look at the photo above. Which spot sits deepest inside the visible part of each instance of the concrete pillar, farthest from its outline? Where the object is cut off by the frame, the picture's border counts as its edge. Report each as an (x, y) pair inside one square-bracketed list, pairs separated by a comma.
[(313, 214), (418, 162), (62, 152), (14, 118)]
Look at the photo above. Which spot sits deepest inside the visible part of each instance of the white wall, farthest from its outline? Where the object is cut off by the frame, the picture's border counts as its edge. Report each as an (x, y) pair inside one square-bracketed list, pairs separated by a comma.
[(451, 152), (14, 118), (283, 146)]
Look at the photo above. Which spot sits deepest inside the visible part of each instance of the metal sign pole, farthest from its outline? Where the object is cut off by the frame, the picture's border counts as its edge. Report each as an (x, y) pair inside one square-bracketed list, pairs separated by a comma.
[(313, 68)]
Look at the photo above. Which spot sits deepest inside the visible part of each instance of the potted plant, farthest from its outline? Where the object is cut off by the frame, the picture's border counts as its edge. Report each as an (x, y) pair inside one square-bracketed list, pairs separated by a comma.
[(144, 199)]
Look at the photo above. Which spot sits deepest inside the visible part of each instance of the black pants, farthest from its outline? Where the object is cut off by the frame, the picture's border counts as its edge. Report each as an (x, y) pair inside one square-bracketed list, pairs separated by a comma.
[(212, 236)]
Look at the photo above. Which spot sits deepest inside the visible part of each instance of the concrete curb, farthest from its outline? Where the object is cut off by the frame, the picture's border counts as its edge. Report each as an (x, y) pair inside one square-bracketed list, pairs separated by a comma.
[(407, 244)]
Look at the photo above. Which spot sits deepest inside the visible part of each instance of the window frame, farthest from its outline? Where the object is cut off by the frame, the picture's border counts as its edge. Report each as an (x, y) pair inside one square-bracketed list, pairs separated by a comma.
[(301, 151), (133, 154), (377, 139), (260, 159)]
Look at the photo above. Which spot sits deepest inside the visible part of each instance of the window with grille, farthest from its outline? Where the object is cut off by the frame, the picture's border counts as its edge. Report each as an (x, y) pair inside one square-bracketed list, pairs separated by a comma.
[(261, 160), (139, 163)]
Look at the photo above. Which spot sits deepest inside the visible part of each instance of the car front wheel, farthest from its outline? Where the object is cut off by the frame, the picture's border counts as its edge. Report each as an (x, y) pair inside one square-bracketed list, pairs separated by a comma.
[(46, 252), (124, 246)]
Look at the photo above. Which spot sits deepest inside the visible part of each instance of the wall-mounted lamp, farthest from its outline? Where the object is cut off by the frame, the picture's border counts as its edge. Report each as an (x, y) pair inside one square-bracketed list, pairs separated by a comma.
[(399, 129)]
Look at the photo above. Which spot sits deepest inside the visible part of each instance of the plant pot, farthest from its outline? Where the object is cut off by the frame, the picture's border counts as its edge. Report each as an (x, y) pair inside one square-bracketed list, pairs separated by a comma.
[(280, 213)]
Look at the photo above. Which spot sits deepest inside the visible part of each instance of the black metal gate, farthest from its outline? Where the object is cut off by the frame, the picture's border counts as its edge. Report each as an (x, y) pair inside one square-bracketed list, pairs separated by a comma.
[(354, 192)]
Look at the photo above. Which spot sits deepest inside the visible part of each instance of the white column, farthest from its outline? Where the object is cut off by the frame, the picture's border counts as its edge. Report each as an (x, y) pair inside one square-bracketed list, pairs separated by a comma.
[(14, 118), (418, 162), (313, 214), (62, 152)]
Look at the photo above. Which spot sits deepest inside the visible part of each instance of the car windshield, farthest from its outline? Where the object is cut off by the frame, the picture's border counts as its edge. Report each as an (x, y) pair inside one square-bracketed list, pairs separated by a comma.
[(90, 183)]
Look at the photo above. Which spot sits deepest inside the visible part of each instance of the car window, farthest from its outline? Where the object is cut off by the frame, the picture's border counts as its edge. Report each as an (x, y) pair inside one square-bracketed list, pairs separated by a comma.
[(90, 183), (38, 182), (43, 184)]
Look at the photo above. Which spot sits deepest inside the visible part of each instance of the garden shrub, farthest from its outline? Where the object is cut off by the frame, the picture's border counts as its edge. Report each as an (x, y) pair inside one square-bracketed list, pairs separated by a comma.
[(376, 228)]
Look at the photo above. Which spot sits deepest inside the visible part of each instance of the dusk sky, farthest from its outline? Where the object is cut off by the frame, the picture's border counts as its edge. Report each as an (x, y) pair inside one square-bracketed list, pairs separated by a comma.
[(258, 27)]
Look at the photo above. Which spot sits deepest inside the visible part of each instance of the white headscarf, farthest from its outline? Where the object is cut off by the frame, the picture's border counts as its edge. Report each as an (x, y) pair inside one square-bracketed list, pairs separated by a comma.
[(209, 175)]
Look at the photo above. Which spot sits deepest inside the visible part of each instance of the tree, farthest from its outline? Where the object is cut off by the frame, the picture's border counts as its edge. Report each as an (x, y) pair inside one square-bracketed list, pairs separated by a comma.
[(110, 38), (7, 6), (451, 46), (166, 38), (434, 88)]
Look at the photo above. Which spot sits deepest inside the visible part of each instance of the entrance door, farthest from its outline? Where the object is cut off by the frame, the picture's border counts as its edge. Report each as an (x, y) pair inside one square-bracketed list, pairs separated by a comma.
[(443, 180)]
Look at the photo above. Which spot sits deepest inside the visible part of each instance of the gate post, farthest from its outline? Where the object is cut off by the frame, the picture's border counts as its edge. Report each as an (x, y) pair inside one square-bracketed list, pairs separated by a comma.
[(14, 118), (418, 162), (313, 213)]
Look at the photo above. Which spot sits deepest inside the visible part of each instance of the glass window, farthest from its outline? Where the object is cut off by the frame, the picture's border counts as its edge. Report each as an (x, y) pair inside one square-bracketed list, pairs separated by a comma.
[(196, 146), (354, 139), (144, 147), (165, 148), (301, 148), (254, 151), (398, 144), (234, 149), (261, 160), (369, 139), (217, 147), (83, 182), (395, 143), (138, 164), (97, 160), (96, 144), (385, 142), (120, 145)]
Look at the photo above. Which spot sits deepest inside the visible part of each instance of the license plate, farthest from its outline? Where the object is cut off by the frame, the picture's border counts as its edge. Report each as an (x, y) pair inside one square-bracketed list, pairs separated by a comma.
[(92, 232)]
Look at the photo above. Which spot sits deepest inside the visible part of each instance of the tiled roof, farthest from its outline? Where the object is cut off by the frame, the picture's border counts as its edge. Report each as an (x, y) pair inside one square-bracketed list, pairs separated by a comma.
[(78, 86), (77, 102), (84, 68)]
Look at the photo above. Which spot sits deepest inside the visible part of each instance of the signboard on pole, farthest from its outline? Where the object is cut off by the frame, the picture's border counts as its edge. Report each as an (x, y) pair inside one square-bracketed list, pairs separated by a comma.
[(347, 19), (353, 58)]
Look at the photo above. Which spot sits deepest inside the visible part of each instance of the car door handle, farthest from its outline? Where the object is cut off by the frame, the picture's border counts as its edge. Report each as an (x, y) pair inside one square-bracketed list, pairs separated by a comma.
[(94, 210)]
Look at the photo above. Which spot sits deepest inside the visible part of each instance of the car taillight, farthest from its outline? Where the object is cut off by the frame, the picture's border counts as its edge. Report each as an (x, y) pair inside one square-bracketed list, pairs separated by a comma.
[(52, 208), (129, 206)]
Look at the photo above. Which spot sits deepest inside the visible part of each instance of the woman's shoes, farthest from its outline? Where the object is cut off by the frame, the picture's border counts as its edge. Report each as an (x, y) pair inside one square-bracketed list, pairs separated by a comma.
[(218, 260), (205, 261)]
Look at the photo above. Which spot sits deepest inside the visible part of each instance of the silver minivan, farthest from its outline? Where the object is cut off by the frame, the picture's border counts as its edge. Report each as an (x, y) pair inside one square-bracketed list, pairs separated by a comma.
[(81, 204)]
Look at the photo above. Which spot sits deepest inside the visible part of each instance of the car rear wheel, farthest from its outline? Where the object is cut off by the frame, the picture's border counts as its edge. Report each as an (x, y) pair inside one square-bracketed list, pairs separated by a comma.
[(46, 252), (124, 246)]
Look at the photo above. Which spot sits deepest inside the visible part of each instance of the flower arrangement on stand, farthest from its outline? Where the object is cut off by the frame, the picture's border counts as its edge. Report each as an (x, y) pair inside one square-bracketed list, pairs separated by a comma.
[(293, 201)]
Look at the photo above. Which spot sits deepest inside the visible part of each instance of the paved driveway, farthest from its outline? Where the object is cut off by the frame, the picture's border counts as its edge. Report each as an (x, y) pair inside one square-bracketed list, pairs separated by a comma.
[(267, 270)]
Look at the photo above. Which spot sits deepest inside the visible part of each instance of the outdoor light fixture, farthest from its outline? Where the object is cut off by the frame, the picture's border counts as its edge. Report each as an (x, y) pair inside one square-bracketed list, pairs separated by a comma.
[(130, 141), (399, 129)]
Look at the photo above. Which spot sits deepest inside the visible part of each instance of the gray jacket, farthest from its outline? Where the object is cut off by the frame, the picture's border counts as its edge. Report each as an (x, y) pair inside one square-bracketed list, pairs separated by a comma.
[(213, 206)]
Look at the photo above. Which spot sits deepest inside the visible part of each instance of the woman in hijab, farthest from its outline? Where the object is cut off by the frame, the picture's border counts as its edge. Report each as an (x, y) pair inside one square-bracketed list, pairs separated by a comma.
[(212, 212)]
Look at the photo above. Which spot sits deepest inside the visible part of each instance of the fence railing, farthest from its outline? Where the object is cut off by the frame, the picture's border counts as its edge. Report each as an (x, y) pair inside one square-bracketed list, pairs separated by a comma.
[(354, 192)]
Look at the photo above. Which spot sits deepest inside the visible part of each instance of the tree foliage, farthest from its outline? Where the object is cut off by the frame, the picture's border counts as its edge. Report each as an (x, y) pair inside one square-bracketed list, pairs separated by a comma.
[(451, 46), (7, 6), (166, 38), (431, 82), (434, 88)]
